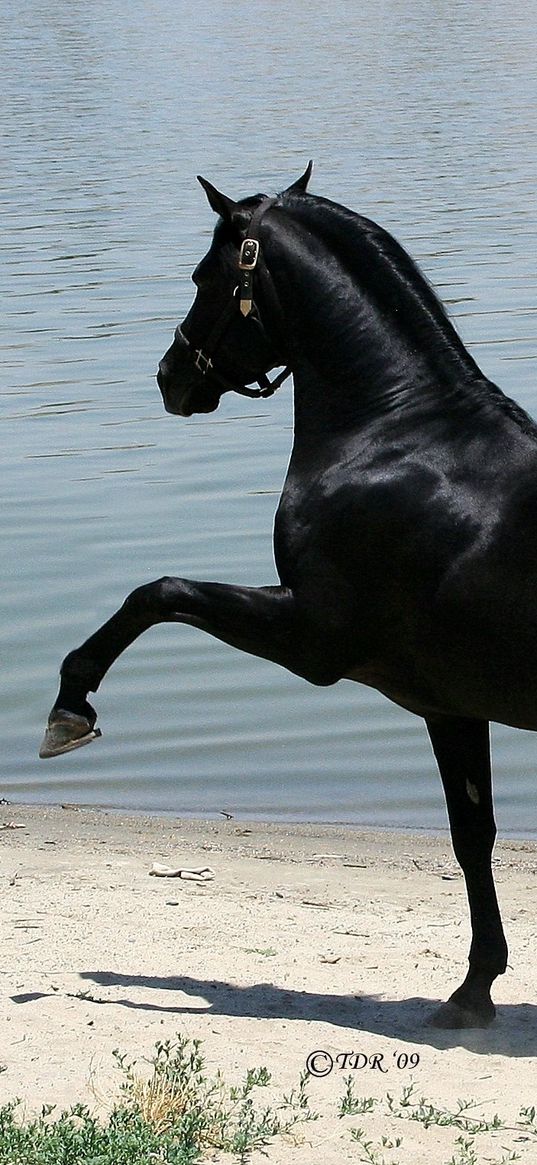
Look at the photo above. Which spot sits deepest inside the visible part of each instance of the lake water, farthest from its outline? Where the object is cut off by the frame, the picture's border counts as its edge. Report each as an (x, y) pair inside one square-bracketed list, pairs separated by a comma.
[(421, 116)]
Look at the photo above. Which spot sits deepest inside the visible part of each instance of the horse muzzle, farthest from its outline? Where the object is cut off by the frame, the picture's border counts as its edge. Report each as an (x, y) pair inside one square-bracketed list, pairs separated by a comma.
[(184, 390), (182, 394), (174, 398)]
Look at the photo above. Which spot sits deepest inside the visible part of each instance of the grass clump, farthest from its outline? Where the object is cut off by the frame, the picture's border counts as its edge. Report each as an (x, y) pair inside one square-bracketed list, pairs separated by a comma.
[(172, 1115)]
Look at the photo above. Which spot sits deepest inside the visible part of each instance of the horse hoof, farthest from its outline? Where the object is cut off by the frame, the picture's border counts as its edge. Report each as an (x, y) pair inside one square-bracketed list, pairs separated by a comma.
[(65, 732), (452, 1015)]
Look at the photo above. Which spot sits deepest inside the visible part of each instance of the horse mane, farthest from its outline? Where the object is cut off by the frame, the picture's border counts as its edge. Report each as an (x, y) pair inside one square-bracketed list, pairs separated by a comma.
[(388, 274)]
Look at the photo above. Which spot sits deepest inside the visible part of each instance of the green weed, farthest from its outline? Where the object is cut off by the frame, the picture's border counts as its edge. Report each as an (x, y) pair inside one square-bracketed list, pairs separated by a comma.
[(374, 1154), (352, 1105), (172, 1115), (408, 1108)]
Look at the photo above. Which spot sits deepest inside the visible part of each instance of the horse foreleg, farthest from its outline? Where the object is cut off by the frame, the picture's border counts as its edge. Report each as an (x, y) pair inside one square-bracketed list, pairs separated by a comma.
[(462, 750), (265, 621)]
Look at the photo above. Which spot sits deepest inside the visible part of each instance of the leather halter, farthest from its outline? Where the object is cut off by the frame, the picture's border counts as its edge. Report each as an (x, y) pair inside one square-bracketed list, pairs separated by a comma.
[(202, 358)]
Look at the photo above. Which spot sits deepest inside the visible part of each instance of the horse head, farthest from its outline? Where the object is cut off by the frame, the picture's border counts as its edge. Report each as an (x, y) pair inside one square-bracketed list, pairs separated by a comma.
[(225, 343)]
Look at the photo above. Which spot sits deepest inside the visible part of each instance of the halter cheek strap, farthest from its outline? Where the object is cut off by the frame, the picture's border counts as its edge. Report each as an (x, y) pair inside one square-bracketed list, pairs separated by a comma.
[(203, 357)]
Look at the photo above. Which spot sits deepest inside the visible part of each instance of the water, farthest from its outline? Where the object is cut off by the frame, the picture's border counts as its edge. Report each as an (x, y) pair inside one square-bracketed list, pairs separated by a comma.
[(420, 116)]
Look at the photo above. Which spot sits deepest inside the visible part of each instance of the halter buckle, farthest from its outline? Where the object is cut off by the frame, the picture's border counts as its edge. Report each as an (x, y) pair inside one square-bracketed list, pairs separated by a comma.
[(249, 254)]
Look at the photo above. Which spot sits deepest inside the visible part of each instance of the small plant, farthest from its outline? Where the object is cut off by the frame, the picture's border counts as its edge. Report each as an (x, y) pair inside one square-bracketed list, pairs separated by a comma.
[(374, 1154), (466, 1153), (255, 1078), (409, 1108), (298, 1101), (528, 1118), (352, 1105)]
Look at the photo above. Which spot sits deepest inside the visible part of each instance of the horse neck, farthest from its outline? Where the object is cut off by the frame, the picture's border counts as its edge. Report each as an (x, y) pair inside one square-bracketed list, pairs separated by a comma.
[(356, 352)]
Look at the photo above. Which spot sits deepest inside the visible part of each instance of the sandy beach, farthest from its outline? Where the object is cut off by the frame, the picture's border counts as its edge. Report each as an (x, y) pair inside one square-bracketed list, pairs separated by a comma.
[(308, 938)]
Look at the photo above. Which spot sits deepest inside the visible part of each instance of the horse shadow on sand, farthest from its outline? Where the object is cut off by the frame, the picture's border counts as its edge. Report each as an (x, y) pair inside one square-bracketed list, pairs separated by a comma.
[(513, 1033)]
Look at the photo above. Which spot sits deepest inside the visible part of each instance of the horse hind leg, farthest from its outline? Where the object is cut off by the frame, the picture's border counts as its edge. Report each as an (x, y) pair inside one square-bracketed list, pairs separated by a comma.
[(462, 751)]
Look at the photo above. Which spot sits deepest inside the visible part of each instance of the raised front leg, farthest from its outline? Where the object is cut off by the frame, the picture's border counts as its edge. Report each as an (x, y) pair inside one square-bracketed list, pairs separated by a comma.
[(462, 750), (265, 621)]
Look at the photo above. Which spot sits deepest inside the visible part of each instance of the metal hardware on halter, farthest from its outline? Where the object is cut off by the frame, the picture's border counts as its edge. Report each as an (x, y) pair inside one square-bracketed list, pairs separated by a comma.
[(202, 362), (248, 257)]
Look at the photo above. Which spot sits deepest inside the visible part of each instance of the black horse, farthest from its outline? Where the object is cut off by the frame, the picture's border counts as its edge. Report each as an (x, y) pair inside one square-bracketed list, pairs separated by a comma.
[(406, 534)]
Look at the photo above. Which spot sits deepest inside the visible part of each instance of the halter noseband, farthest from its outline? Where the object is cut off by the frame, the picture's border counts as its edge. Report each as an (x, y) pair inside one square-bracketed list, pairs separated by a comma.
[(203, 357)]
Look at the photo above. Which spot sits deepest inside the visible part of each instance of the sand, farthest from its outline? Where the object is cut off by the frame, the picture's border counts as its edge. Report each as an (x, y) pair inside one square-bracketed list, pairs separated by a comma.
[(309, 938)]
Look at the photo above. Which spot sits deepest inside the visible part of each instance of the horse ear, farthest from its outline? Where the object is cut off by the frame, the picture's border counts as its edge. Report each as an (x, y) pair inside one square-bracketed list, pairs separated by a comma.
[(301, 184), (218, 202)]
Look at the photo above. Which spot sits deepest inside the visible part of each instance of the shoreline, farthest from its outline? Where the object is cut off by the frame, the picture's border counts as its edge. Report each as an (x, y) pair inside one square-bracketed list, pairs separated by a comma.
[(260, 821), (308, 937)]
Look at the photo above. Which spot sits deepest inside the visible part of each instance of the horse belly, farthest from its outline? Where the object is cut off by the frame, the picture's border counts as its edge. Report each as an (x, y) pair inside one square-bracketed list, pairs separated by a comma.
[(484, 626), (464, 669)]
